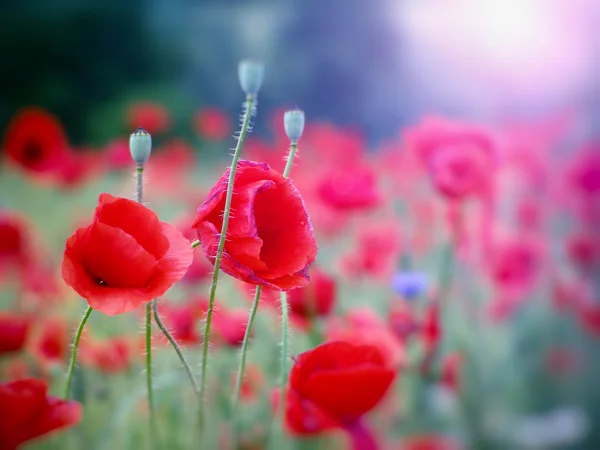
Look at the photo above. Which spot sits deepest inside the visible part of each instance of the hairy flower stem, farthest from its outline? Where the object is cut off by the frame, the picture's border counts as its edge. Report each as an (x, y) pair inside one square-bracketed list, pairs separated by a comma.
[(73, 359), (285, 306), (139, 197), (250, 99), (240, 373), (176, 347)]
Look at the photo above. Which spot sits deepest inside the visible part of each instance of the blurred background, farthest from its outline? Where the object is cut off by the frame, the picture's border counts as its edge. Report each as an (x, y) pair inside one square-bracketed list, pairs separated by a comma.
[(451, 157), (375, 67)]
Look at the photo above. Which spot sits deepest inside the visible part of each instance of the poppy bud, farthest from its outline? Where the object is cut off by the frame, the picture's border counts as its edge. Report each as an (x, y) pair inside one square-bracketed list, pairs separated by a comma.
[(140, 145), (251, 74), (293, 122)]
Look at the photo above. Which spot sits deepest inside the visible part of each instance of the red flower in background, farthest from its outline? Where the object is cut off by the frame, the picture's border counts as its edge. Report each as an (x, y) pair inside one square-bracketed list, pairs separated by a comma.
[(230, 326), (152, 117), (377, 250), (403, 323), (333, 145), (430, 442), (315, 299), (343, 380), (252, 383), (451, 371), (583, 248), (117, 155), (349, 187), (35, 141), (112, 355), (431, 330), (584, 175), (182, 319), (212, 123), (51, 343), (14, 330), (460, 156), (270, 239), (516, 264), (27, 412), (13, 241), (126, 257)]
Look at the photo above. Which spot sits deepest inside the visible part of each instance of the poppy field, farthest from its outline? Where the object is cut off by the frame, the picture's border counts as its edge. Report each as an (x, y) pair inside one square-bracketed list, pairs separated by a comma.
[(437, 291)]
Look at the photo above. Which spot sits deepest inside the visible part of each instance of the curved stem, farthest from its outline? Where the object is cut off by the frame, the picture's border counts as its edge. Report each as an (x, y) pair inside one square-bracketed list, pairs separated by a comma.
[(178, 350), (242, 366), (213, 288), (73, 360)]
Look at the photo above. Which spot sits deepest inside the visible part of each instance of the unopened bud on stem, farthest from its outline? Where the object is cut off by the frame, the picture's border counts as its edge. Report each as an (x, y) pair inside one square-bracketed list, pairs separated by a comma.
[(293, 123), (140, 146), (251, 74)]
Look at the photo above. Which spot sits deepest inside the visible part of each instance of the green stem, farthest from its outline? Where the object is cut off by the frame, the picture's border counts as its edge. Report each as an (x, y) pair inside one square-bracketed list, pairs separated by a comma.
[(213, 288), (290, 159), (196, 243), (153, 429), (73, 360), (173, 342), (242, 365), (284, 351), (285, 308)]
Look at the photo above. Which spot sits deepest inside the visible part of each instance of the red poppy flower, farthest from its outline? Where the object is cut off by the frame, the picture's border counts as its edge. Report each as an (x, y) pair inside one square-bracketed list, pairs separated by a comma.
[(13, 332), (343, 380), (315, 299), (252, 382), (303, 417), (378, 247), (403, 323), (431, 330), (27, 412), (230, 326), (13, 240), (35, 140), (183, 318), (451, 371), (126, 257), (430, 442), (460, 156), (150, 116), (515, 264), (584, 175), (51, 344), (117, 155), (350, 188), (583, 249), (212, 124), (364, 326), (270, 239), (107, 356), (333, 145)]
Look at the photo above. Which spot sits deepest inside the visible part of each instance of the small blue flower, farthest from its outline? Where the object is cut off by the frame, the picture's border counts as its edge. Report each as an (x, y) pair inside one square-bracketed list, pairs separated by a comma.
[(410, 285)]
